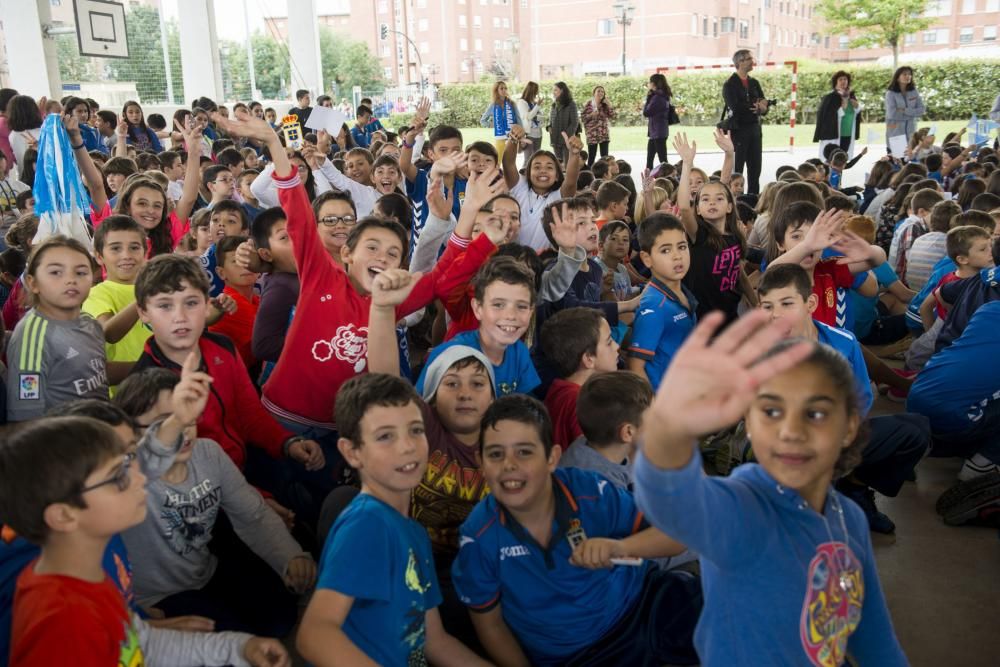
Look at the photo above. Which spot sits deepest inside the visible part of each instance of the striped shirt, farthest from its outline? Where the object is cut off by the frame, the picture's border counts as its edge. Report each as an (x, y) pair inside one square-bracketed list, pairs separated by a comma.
[(52, 362), (925, 252)]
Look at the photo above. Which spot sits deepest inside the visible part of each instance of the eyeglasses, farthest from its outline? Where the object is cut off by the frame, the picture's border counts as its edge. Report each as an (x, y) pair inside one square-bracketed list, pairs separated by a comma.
[(224, 180), (334, 220), (120, 477)]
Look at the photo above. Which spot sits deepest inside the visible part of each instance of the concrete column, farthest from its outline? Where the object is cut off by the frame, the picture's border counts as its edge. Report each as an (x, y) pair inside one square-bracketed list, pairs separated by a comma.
[(200, 64), (303, 45), (31, 56)]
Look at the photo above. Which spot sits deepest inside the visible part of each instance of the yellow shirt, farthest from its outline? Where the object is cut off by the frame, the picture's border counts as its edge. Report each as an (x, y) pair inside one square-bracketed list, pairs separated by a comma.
[(111, 297)]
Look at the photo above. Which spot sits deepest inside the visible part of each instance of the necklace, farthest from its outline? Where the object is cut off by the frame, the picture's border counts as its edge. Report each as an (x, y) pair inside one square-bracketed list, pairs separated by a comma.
[(845, 582)]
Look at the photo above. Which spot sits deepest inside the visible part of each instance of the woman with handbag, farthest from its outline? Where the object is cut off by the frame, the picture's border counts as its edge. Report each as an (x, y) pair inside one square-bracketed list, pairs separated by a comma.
[(657, 111), (596, 114)]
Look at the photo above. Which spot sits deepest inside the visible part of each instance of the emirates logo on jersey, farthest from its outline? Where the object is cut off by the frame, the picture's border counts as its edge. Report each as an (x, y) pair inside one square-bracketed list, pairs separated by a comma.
[(349, 344)]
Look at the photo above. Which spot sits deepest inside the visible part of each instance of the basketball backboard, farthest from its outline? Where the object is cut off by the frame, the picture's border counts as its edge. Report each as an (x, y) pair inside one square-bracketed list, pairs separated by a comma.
[(100, 28)]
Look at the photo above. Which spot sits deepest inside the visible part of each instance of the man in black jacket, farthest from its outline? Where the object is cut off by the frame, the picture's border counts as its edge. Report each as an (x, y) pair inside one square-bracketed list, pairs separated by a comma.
[(746, 103)]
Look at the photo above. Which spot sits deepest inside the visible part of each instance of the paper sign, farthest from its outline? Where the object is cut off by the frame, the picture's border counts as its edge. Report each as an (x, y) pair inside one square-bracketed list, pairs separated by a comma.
[(874, 136), (325, 118), (897, 145)]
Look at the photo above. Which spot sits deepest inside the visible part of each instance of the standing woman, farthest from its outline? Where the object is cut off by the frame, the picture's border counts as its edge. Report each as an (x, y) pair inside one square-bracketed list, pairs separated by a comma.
[(838, 120), (529, 108), (596, 114), (903, 106), (564, 117), (657, 113), (139, 134), (6, 95), (501, 114)]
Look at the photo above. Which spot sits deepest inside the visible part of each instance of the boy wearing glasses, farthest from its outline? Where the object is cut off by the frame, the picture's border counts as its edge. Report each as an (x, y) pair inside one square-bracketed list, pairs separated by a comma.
[(67, 484)]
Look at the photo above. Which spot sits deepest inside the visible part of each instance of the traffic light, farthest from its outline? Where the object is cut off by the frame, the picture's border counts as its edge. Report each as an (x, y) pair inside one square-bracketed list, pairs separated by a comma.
[(384, 31)]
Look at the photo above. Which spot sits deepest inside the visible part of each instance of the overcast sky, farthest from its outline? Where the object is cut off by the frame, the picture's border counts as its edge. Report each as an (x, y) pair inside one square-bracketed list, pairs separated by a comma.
[(229, 13)]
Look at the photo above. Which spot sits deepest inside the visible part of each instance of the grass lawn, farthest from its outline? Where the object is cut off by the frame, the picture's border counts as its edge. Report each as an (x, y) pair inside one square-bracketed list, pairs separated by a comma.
[(775, 136)]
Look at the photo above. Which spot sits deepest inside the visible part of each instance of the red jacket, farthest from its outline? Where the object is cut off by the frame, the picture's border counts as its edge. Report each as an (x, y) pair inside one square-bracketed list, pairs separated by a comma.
[(327, 342), (234, 416)]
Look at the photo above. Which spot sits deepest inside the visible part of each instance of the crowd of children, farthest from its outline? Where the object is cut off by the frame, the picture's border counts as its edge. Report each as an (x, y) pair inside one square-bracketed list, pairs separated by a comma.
[(467, 411)]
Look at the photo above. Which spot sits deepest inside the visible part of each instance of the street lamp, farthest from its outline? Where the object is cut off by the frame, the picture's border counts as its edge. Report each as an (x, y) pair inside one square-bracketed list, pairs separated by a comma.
[(624, 13)]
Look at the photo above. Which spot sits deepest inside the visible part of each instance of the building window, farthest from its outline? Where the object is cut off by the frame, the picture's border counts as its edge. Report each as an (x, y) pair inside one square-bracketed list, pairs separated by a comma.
[(385, 50), (463, 44), (826, 42), (911, 38), (465, 66), (727, 24), (422, 25), (715, 27), (965, 36), (498, 45), (462, 20), (421, 4), (425, 47), (387, 72), (990, 33), (842, 42), (605, 27), (704, 26), (477, 21), (496, 21), (765, 33), (479, 45), (992, 6), (744, 30), (506, 22), (969, 7), (694, 24), (938, 8), (524, 4)]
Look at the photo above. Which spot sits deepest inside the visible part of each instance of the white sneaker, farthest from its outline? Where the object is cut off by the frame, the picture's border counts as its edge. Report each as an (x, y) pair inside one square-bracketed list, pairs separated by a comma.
[(976, 466)]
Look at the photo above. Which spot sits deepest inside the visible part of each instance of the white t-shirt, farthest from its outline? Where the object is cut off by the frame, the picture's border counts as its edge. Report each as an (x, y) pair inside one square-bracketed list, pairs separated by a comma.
[(532, 207)]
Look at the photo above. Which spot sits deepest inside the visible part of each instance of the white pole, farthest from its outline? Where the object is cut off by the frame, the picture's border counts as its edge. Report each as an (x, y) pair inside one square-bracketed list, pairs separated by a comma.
[(253, 73), (166, 56)]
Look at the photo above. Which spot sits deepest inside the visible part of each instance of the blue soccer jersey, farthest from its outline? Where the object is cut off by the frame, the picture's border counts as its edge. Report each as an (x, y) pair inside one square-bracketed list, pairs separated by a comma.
[(845, 343), (383, 560), (516, 375), (661, 325), (553, 607), (416, 190)]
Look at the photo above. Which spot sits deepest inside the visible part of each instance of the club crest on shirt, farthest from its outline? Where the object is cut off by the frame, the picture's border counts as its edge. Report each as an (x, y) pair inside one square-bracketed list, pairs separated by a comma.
[(835, 592), (348, 344), (28, 387)]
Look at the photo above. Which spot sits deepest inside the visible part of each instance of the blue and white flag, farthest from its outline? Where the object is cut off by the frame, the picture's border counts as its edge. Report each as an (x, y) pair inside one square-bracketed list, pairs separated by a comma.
[(60, 198)]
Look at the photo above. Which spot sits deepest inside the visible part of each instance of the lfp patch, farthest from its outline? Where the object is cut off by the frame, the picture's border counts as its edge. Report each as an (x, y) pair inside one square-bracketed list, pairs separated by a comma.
[(28, 388)]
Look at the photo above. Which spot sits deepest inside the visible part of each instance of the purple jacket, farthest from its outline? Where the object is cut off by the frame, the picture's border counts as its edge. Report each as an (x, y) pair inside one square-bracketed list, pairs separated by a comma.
[(656, 110)]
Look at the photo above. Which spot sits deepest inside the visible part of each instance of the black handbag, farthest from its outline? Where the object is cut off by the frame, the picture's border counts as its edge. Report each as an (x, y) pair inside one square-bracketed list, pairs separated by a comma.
[(672, 117), (725, 120)]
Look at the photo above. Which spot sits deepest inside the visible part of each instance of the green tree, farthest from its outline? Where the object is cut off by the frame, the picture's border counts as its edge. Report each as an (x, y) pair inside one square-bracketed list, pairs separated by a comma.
[(875, 22), (74, 68), (348, 63), (145, 64)]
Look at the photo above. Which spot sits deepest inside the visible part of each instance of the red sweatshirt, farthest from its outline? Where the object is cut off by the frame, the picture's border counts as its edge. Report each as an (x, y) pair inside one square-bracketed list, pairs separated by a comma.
[(233, 417), (327, 342)]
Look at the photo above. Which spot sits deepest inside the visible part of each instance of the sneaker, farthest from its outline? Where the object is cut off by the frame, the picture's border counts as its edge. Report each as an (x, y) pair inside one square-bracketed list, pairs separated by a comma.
[(897, 395), (975, 501), (865, 498), (976, 466)]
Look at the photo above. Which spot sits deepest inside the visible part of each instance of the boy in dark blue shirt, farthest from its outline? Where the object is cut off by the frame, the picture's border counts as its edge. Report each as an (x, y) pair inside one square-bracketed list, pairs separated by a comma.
[(444, 146), (377, 594), (360, 132), (667, 307), (539, 564), (897, 442)]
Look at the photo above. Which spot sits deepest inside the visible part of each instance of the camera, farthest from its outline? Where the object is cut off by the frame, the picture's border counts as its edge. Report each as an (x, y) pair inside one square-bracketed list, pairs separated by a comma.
[(772, 103)]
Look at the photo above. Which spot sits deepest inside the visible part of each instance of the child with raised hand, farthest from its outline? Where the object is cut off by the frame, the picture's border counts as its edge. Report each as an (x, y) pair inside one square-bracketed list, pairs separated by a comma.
[(175, 571), (377, 596), (543, 182), (364, 195), (56, 353), (70, 485), (791, 556), (327, 340), (802, 232), (715, 275)]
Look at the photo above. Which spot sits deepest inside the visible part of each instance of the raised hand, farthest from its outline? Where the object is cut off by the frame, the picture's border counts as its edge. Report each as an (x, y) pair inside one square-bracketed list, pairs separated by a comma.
[(190, 133), (648, 180), (483, 187), (423, 110), (724, 141), (440, 204), (574, 144), (192, 392), (71, 124), (711, 382), (312, 156), (224, 303), (564, 229), (852, 247), (122, 129), (244, 124), (497, 228), (448, 165), (392, 287), (826, 230), (687, 150)]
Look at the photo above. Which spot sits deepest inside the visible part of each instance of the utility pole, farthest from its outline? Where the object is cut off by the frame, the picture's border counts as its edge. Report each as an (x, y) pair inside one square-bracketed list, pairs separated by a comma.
[(253, 74), (624, 13)]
